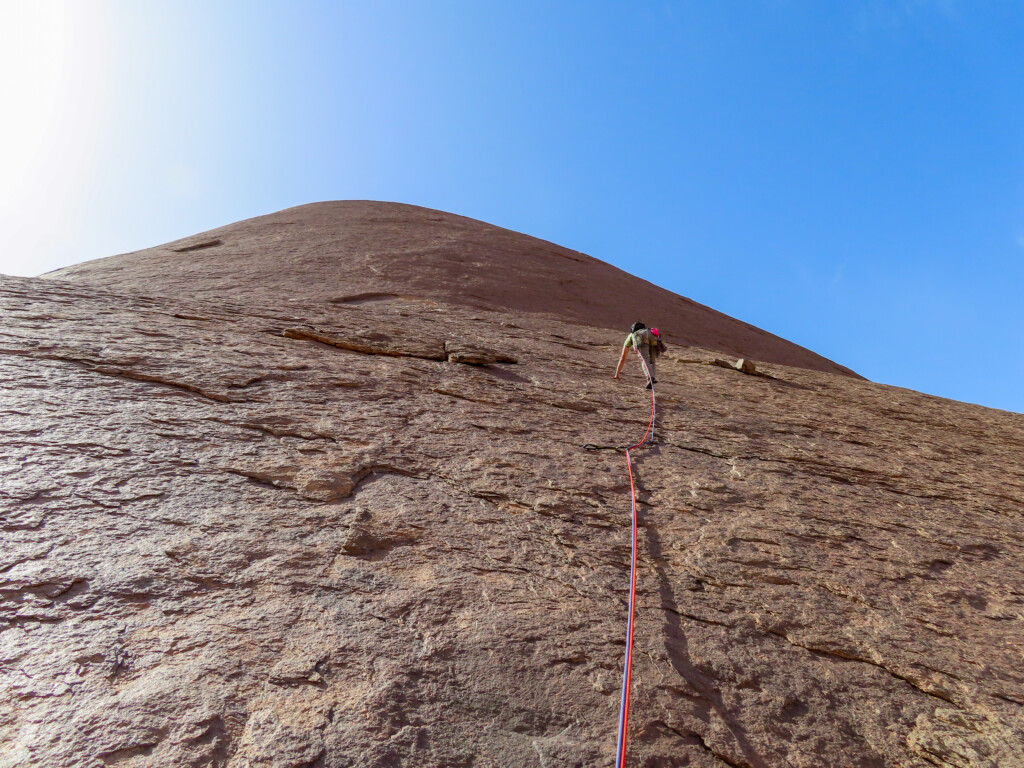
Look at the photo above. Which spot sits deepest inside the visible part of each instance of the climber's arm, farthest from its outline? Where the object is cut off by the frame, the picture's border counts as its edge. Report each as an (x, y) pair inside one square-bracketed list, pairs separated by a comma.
[(622, 362)]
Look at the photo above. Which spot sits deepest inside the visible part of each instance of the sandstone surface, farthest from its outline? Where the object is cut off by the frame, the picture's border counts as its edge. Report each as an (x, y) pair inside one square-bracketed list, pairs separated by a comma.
[(339, 515), (363, 251)]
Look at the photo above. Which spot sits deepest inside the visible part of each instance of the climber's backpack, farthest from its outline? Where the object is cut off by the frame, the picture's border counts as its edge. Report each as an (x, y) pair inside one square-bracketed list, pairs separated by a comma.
[(648, 339)]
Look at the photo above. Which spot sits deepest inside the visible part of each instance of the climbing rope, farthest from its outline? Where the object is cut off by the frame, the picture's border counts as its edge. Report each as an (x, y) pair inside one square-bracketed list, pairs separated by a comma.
[(627, 667)]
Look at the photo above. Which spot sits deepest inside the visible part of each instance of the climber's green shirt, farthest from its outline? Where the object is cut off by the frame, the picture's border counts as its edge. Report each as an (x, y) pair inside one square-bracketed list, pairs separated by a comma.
[(644, 340)]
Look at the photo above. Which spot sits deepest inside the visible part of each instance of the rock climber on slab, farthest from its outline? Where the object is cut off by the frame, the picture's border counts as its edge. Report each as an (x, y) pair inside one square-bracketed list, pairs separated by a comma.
[(648, 343)]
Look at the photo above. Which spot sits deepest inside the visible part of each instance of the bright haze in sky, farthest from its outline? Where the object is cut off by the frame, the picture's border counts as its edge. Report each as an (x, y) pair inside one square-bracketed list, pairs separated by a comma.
[(848, 175)]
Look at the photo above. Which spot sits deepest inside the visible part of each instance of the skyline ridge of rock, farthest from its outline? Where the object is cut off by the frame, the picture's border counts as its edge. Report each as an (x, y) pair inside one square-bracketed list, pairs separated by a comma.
[(306, 252)]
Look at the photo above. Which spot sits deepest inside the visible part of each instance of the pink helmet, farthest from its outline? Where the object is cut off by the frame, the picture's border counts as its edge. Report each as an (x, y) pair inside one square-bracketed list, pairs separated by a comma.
[(655, 331)]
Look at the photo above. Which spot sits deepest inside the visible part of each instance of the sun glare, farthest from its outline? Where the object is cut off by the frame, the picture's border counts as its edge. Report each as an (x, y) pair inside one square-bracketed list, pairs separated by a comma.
[(34, 80), (50, 83)]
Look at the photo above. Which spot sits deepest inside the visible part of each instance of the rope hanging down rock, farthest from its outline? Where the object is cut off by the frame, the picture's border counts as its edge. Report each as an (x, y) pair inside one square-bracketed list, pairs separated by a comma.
[(627, 667)]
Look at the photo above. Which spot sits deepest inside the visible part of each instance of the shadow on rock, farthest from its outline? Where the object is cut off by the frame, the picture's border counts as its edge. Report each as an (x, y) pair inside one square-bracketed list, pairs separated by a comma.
[(676, 644)]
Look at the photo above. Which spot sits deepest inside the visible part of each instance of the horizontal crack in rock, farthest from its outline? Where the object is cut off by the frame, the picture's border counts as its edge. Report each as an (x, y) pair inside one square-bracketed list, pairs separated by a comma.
[(853, 657), (427, 350)]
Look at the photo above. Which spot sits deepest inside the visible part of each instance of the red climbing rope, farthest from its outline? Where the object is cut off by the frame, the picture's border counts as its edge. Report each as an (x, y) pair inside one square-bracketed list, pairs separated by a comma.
[(627, 668)]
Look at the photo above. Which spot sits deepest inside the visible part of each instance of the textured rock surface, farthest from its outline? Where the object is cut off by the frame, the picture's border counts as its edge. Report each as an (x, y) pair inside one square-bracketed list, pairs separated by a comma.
[(360, 251), (240, 532)]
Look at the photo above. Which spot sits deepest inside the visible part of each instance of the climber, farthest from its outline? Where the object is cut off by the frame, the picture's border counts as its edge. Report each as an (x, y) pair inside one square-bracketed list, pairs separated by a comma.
[(648, 343)]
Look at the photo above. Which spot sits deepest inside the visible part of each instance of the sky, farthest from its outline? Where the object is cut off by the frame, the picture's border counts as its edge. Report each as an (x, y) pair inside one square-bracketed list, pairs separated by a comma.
[(847, 175)]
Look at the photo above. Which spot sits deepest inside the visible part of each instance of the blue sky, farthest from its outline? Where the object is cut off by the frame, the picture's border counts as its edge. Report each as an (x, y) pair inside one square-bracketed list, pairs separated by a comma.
[(848, 175)]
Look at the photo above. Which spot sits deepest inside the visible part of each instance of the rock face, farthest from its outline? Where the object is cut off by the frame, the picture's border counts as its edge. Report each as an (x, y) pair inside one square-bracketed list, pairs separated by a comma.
[(352, 253), (340, 515)]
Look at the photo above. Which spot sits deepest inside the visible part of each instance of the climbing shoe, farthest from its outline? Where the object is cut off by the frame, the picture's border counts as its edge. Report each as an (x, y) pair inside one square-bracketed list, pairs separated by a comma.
[(649, 385)]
